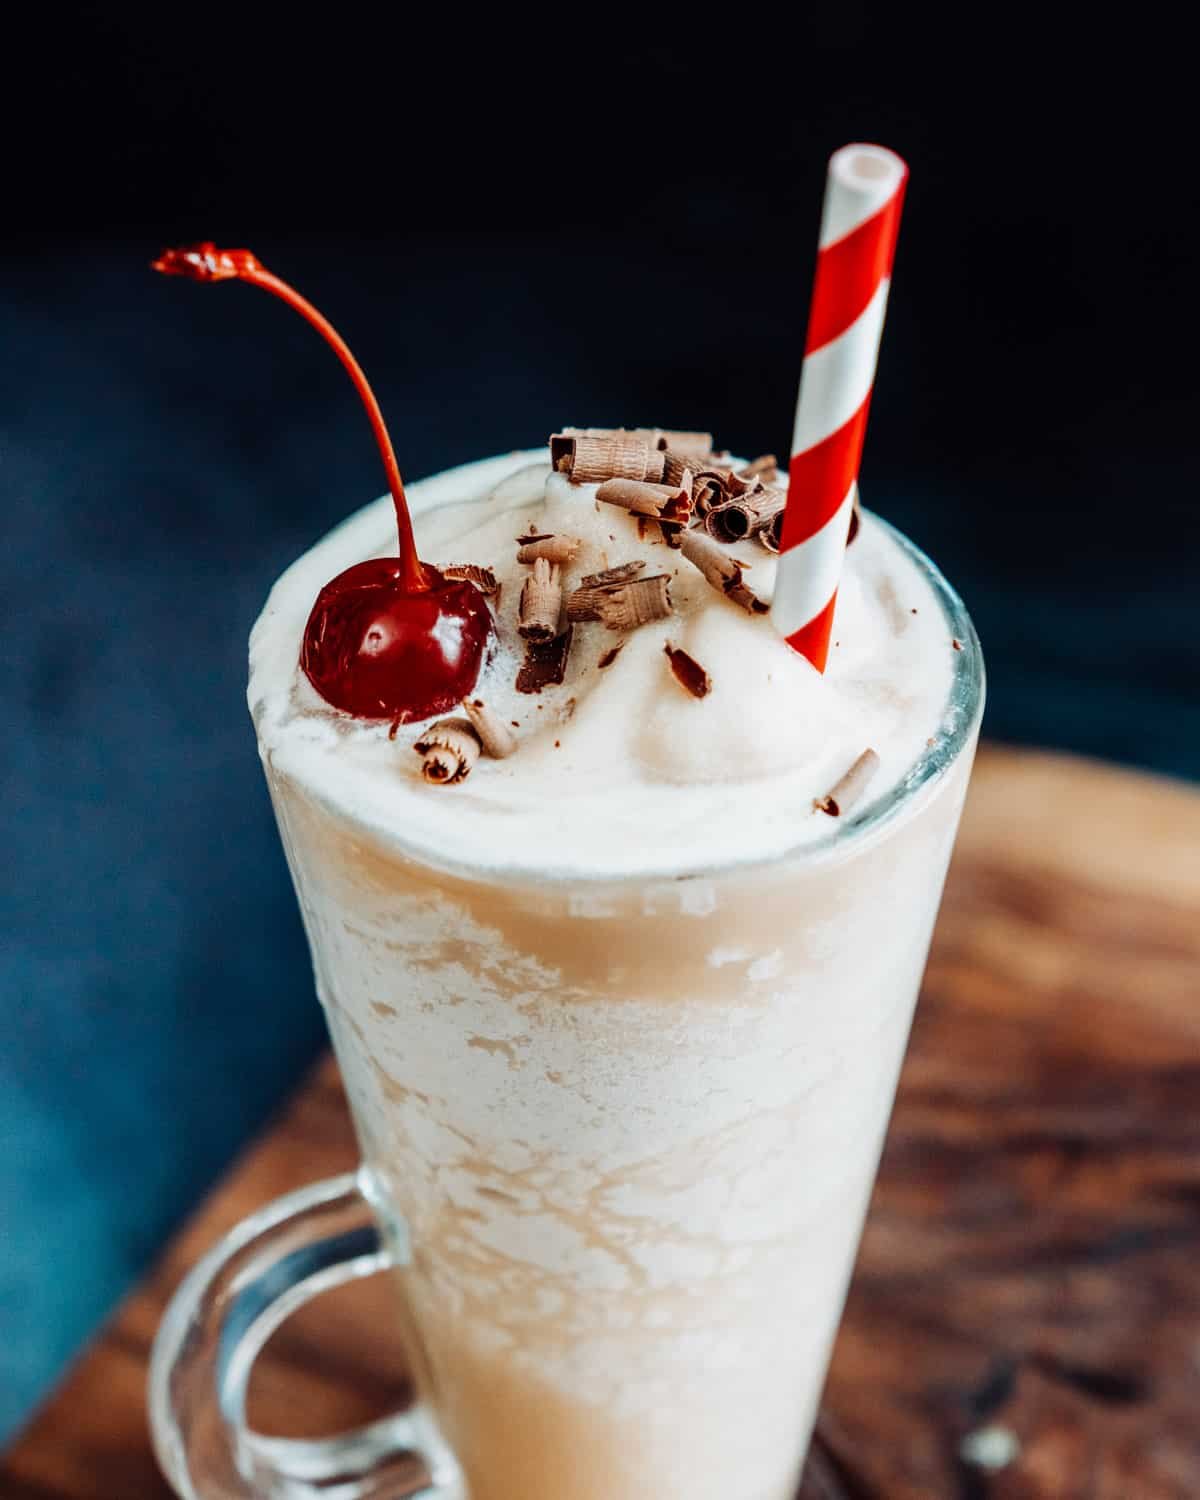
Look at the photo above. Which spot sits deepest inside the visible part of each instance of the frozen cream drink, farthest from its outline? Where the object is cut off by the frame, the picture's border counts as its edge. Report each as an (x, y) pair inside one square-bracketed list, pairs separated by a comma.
[(618, 963), (618, 782)]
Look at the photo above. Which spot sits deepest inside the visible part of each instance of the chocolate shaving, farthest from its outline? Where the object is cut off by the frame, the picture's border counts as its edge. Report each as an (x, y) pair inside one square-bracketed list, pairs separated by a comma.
[(744, 517), (735, 485), (584, 603), (708, 492), (727, 522), (846, 791), (675, 465), (703, 501), (765, 467), (654, 437), (497, 739), (610, 656), (483, 578), (679, 511), (617, 455), (448, 749), (666, 504), (647, 435), (656, 502), (541, 602), (609, 576), (685, 442), (721, 570), (689, 674), (638, 603), (555, 549), (545, 663), (623, 605)]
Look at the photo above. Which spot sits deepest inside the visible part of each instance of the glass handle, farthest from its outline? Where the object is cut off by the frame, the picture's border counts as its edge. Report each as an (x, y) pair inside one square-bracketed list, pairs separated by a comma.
[(215, 1327)]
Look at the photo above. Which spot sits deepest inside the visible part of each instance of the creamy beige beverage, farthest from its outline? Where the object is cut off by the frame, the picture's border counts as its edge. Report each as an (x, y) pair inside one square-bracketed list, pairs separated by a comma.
[(621, 1015)]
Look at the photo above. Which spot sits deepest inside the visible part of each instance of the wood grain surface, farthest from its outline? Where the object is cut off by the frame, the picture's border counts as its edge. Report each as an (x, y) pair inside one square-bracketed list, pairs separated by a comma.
[(1025, 1319)]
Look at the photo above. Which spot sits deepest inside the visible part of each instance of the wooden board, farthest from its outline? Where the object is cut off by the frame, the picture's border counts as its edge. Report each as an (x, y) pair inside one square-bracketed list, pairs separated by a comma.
[(1029, 1284)]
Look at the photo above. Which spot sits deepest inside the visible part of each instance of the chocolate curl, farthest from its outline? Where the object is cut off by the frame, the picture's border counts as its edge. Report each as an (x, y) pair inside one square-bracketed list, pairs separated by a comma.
[(770, 534), (483, 578), (448, 749), (676, 465), (686, 442), (659, 502), (545, 663), (622, 573), (497, 739), (846, 792), (678, 512), (764, 468), (721, 570), (735, 486), (647, 435), (622, 605), (555, 549), (541, 602), (638, 603), (708, 492), (745, 516), (591, 460), (688, 672), (712, 485), (610, 656), (584, 603)]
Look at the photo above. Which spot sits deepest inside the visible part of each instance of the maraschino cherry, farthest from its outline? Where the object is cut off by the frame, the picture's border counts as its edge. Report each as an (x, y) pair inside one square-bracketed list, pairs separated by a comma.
[(390, 638)]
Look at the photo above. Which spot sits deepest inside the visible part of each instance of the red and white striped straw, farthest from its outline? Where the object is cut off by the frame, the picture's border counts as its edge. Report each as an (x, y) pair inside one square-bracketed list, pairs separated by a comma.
[(864, 193)]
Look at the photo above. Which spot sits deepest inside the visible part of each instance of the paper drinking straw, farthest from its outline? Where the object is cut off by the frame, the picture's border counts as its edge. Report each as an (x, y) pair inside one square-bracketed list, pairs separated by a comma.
[(864, 193)]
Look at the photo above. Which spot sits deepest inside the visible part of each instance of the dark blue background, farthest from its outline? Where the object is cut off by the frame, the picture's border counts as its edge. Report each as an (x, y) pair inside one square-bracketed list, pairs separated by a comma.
[(513, 234)]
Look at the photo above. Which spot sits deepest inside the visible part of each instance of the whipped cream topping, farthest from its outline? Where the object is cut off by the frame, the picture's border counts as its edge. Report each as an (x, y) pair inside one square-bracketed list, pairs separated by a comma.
[(618, 770)]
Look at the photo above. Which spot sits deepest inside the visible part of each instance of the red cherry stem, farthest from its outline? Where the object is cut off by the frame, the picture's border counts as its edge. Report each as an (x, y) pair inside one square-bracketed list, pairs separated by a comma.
[(412, 570), (204, 262)]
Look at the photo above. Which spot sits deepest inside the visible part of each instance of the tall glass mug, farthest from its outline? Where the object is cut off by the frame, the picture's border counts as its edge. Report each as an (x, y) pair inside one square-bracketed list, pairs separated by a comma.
[(618, 1140)]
